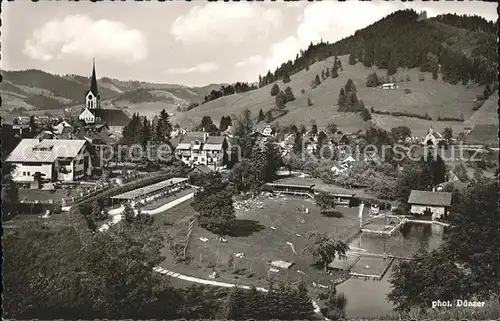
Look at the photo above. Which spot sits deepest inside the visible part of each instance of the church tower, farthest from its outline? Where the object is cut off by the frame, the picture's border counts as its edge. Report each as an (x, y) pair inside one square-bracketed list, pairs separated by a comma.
[(92, 97)]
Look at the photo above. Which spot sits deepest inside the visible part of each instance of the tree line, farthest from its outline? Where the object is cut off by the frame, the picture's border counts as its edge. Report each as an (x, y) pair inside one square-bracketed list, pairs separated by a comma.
[(239, 87), (411, 46)]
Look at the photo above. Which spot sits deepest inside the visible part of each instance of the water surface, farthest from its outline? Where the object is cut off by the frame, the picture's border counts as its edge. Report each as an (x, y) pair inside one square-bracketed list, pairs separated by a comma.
[(368, 298)]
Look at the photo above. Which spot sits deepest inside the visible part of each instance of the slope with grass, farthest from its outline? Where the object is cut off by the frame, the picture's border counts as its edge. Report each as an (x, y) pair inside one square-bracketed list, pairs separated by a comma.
[(429, 96)]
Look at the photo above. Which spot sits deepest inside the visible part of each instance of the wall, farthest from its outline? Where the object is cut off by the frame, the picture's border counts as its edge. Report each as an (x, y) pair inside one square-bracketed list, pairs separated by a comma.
[(32, 169), (439, 211)]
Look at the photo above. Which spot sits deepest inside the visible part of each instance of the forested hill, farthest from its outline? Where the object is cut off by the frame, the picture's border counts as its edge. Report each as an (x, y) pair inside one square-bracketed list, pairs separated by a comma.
[(463, 47)]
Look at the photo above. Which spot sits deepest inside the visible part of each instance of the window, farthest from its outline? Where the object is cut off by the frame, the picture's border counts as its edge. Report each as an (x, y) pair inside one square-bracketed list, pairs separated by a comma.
[(29, 173), (24, 173)]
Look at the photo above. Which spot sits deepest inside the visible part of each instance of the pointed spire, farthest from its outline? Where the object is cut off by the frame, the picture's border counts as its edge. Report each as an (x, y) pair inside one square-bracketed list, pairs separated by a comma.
[(93, 81)]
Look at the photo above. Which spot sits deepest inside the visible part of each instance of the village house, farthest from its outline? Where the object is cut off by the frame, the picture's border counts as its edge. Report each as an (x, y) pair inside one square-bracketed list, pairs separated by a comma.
[(388, 86), (197, 148), (339, 139), (55, 159), (432, 138), (433, 203), (116, 119)]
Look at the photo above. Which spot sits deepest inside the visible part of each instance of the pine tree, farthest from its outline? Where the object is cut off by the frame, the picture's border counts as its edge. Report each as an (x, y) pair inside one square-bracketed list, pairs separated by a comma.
[(392, 67), (372, 80), (327, 73), (349, 86), (317, 81), (335, 74), (368, 55), (145, 132), (280, 100), (289, 95), (286, 77), (342, 99), (352, 58), (163, 128), (275, 90), (261, 116)]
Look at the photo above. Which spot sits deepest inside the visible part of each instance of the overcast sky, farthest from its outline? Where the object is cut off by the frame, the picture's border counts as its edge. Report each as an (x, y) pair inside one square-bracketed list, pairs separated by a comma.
[(192, 43)]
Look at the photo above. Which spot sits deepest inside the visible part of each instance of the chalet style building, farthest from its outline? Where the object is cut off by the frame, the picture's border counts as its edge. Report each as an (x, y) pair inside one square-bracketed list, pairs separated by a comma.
[(433, 203), (115, 119), (54, 159), (197, 148)]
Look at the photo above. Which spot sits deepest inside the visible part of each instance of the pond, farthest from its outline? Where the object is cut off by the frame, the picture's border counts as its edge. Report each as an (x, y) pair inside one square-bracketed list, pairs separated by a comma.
[(368, 298)]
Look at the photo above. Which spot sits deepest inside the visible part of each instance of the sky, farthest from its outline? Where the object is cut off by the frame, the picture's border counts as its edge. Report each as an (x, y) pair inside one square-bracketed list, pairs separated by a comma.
[(191, 43)]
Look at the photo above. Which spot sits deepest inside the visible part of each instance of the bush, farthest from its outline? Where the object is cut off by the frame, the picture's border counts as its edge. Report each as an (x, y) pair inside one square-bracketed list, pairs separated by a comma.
[(407, 91), (421, 77), (275, 90), (303, 91), (309, 102), (372, 80)]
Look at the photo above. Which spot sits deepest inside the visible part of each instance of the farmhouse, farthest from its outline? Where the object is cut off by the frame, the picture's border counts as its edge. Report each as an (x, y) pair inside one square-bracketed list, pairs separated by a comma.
[(434, 203), (197, 148), (116, 119), (55, 159), (388, 86), (262, 129)]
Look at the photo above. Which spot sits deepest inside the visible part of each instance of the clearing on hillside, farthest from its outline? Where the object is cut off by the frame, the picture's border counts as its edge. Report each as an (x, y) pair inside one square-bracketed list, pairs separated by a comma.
[(433, 97)]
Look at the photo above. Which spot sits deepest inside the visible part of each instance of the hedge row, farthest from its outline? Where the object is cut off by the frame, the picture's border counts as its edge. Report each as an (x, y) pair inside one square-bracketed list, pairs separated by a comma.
[(401, 114)]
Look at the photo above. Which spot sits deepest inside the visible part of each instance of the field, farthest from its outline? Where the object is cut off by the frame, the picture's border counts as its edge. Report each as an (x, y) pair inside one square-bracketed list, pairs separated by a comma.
[(148, 109), (252, 235), (432, 96)]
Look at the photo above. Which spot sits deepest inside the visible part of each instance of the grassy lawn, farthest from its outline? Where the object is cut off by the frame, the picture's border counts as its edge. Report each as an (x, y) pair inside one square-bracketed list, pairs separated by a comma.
[(253, 236)]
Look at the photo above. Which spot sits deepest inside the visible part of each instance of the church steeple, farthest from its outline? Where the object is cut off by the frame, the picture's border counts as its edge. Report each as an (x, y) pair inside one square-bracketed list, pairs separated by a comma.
[(93, 81)]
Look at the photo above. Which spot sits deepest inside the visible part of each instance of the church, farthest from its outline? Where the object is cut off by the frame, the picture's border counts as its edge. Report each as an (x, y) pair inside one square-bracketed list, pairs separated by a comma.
[(93, 114)]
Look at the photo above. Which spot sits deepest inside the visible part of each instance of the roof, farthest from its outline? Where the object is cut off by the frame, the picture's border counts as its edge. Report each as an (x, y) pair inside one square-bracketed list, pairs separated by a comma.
[(430, 198), (336, 138), (113, 117), (289, 185), (192, 136), (259, 127), (457, 184), (93, 82), (55, 148), (149, 189), (214, 143), (202, 168)]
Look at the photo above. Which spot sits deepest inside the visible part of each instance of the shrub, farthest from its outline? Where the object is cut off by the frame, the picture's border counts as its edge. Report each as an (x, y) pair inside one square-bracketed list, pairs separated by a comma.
[(303, 91), (372, 80), (275, 90), (421, 77), (309, 102), (407, 91)]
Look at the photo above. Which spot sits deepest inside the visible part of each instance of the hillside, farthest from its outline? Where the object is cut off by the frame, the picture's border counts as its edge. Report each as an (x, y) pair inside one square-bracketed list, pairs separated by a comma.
[(434, 97), (41, 91)]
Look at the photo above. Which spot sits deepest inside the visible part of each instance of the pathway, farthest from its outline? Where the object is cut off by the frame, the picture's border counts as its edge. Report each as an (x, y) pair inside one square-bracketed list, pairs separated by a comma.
[(116, 213), (180, 276)]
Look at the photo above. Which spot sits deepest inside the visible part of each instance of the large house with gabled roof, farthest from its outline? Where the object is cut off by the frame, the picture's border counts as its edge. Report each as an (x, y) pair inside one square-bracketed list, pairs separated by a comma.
[(198, 148), (55, 159)]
